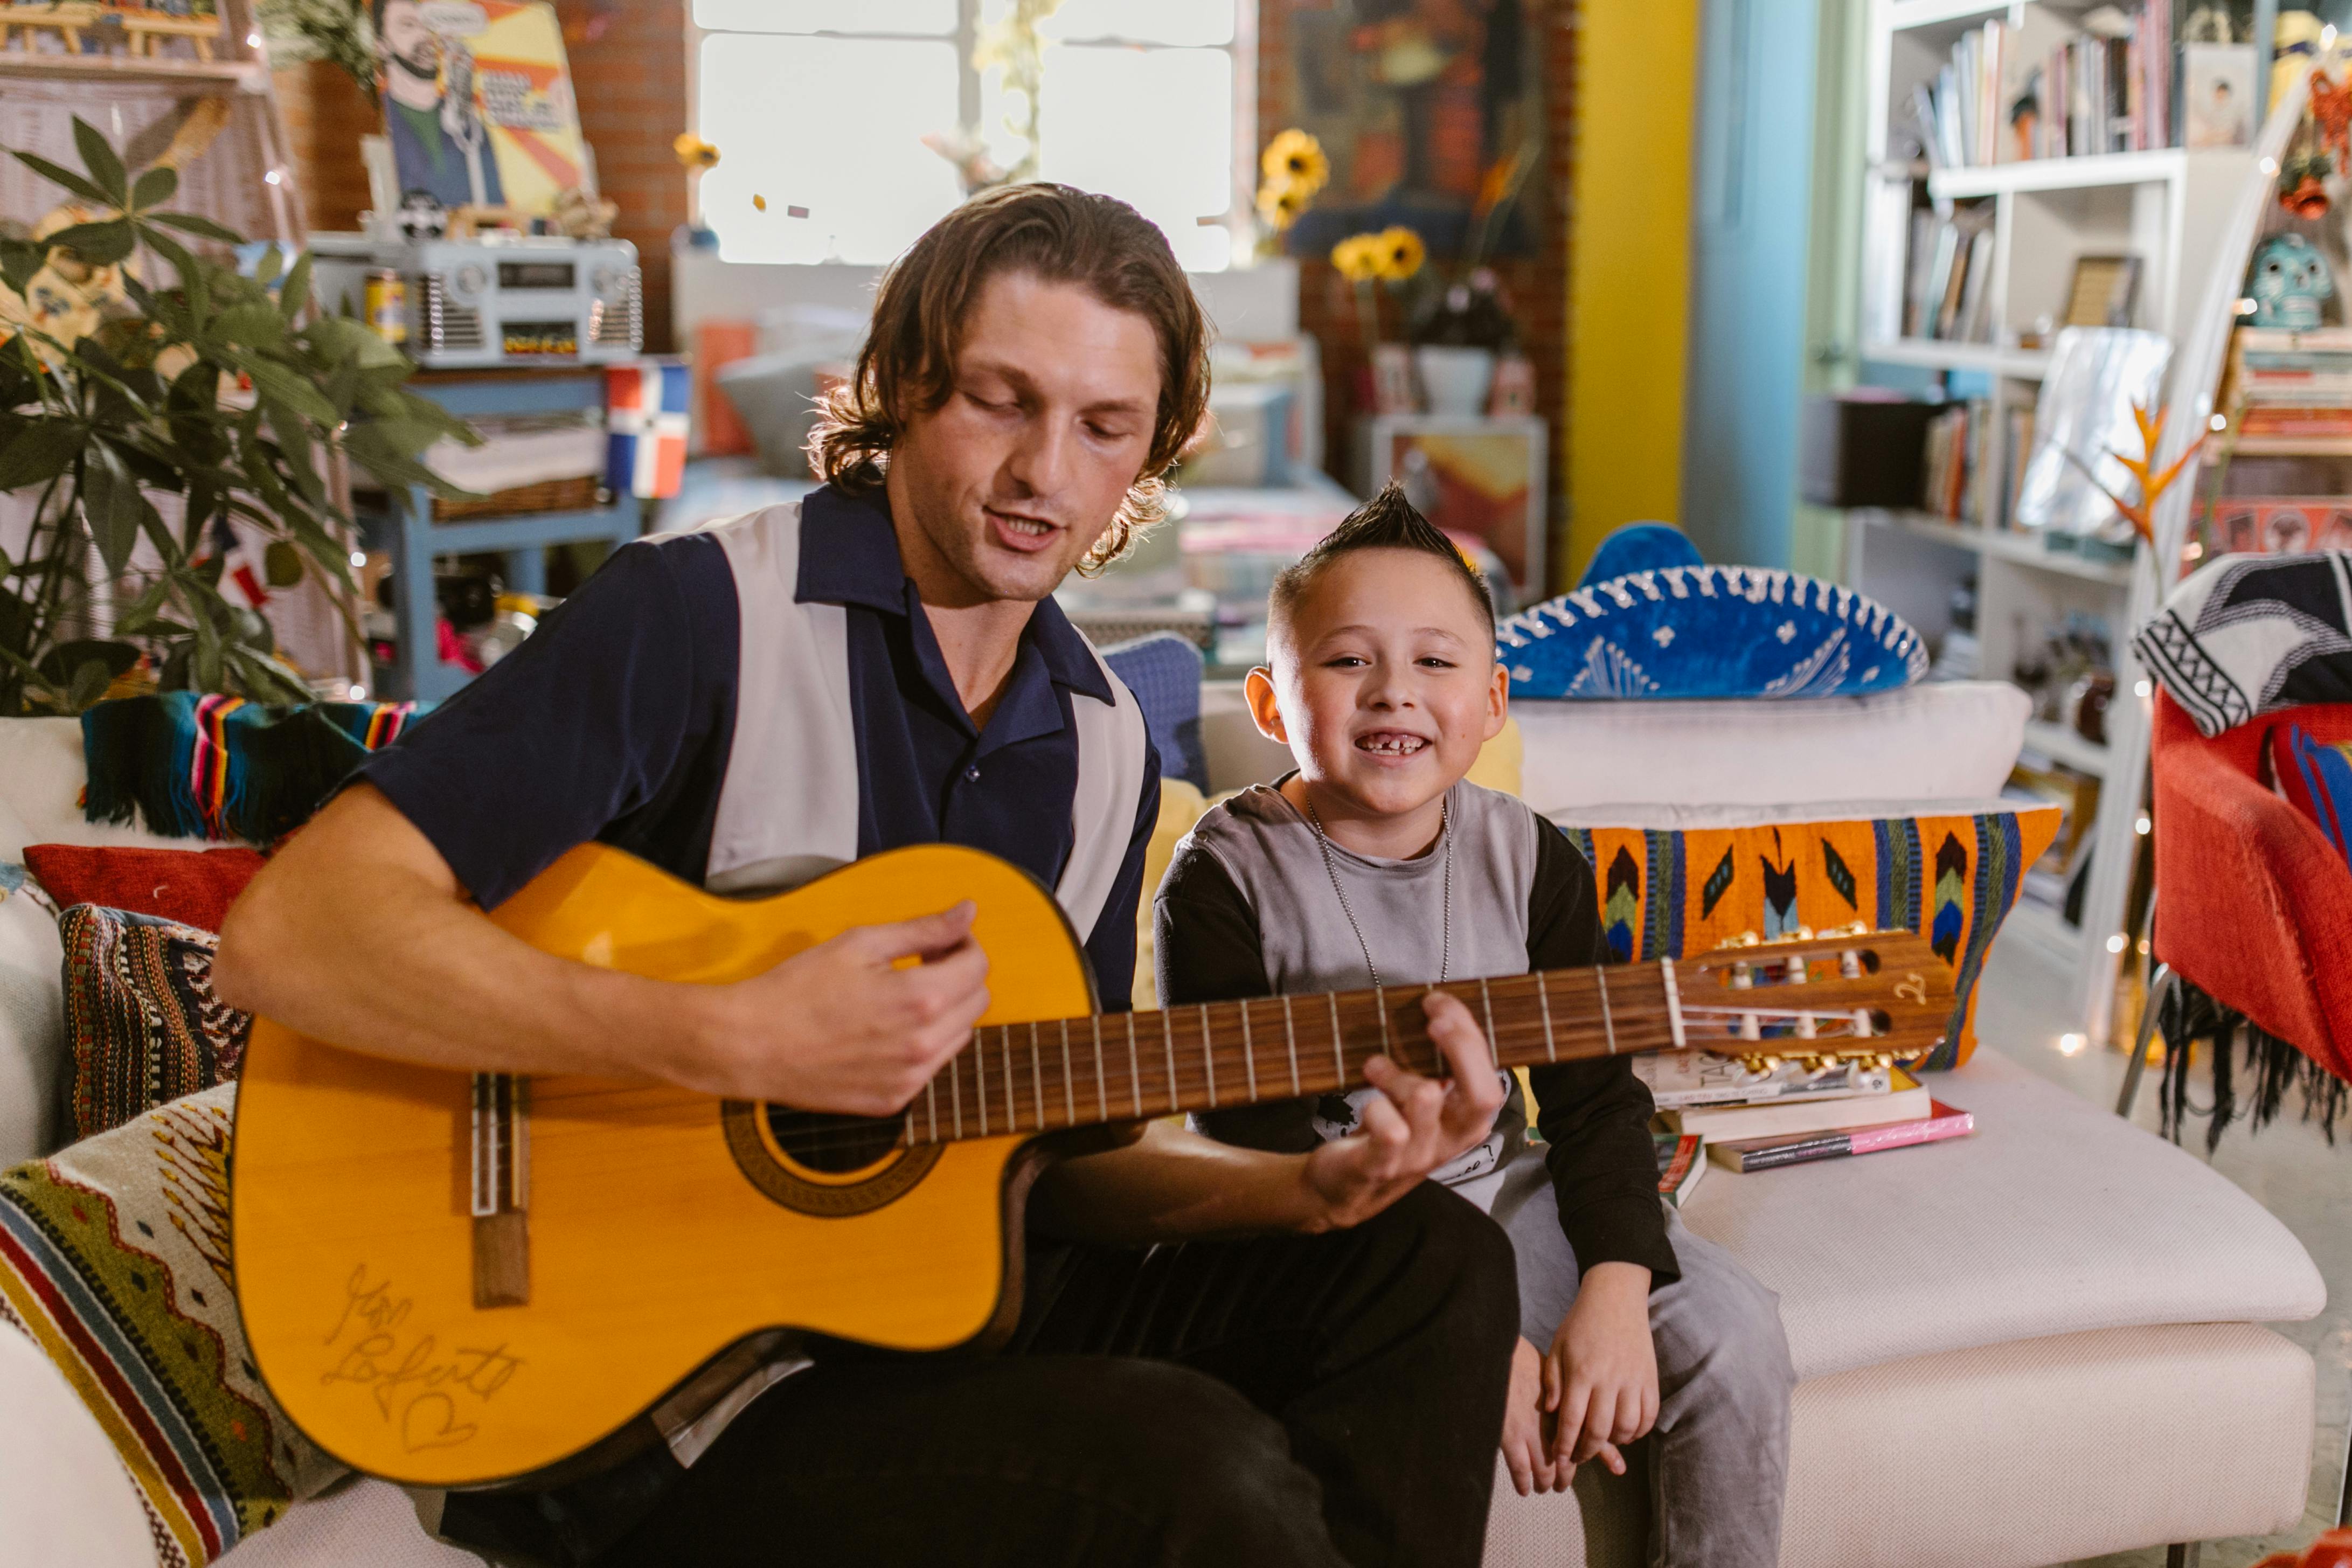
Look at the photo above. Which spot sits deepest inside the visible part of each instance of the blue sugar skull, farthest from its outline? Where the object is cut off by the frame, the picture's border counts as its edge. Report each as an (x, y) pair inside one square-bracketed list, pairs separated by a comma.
[(2287, 282)]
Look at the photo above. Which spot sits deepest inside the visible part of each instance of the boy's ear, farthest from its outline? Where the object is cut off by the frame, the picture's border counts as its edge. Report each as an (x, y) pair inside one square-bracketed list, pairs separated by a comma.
[(1258, 689), (1498, 701)]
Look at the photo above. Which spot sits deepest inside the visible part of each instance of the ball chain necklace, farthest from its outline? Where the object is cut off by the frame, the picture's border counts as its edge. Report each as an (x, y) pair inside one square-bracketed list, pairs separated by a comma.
[(1331, 869)]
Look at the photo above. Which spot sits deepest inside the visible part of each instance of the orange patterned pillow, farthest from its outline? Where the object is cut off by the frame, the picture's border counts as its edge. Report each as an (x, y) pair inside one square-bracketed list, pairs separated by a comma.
[(1667, 892)]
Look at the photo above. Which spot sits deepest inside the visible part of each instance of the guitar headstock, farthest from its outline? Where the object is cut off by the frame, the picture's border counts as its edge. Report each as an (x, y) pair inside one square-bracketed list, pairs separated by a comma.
[(1841, 996)]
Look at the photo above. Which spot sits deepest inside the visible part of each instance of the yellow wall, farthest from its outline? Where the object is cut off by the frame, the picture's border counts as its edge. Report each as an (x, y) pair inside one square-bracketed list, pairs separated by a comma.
[(1629, 266)]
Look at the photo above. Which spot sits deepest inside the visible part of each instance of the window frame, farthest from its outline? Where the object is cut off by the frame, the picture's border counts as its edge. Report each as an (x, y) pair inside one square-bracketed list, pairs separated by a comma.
[(1238, 220)]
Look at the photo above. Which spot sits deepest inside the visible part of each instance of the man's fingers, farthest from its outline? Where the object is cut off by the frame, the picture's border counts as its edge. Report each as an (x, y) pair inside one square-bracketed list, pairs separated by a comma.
[(925, 936), (1515, 1456), (1568, 1437), (1551, 1382), (1608, 1454), (1628, 1425)]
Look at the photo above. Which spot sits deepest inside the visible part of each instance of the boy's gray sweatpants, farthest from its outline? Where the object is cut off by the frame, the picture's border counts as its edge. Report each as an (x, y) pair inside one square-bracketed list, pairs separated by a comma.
[(1719, 1458)]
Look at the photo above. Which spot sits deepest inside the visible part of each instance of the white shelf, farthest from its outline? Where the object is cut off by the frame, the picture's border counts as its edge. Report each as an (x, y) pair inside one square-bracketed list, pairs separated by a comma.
[(2090, 172), (1906, 13), (1933, 353), (2021, 548), (2280, 447), (2061, 744)]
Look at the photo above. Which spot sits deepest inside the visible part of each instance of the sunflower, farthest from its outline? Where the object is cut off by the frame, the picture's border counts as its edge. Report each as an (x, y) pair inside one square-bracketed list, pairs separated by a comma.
[(1294, 161), (1398, 254), (693, 151), (1280, 205), (1357, 258)]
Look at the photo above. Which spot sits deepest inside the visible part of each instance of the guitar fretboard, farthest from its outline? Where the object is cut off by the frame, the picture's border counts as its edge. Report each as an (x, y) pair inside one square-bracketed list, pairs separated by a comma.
[(1075, 1072)]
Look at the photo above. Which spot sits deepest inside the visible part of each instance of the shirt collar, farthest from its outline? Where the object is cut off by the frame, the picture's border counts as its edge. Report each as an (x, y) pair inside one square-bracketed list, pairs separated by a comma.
[(850, 555)]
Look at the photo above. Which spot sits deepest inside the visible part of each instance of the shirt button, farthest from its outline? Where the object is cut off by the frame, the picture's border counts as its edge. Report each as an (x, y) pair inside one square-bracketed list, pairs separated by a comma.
[(972, 775)]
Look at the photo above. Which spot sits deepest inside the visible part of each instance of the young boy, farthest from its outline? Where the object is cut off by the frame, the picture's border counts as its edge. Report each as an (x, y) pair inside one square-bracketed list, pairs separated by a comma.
[(1375, 863)]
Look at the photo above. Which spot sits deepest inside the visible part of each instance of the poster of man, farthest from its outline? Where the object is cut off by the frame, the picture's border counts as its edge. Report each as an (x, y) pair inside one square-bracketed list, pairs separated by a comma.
[(478, 103)]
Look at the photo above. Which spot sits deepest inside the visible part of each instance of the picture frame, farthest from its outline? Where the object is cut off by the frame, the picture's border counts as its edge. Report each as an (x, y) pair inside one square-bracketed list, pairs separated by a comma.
[(2105, 291), (1477, 477), (2217, 94)]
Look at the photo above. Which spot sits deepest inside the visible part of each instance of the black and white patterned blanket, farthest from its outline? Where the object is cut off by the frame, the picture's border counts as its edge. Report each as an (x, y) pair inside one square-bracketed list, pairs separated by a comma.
[(2247, 634)]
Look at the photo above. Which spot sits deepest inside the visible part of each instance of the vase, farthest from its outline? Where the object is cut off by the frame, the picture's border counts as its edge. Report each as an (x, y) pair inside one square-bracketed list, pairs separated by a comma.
[(1455, 380)]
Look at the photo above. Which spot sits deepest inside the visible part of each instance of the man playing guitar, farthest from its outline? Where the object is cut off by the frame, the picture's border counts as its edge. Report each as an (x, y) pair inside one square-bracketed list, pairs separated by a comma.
[(1224, 1355)]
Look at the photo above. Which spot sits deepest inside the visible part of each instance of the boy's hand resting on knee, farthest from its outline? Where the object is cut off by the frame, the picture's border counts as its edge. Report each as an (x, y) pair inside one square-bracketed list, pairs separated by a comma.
[(1416, 1125), (1601, 1380)]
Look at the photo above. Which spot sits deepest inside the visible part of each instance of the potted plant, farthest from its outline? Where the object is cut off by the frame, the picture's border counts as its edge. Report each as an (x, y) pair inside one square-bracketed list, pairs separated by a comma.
[(221, 396)]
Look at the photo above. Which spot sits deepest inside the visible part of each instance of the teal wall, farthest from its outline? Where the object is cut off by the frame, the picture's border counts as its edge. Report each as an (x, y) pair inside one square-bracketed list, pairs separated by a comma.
[(1752, 224)]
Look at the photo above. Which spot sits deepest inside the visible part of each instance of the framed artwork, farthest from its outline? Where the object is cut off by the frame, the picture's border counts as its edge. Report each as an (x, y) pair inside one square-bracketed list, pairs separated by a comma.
[(1476, 478), (2105, 289), (2217, 93), (1416, 104), (478, 104)]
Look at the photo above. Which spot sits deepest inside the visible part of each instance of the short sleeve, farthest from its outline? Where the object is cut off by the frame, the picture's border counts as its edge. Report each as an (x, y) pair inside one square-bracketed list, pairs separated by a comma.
[(603, 717)]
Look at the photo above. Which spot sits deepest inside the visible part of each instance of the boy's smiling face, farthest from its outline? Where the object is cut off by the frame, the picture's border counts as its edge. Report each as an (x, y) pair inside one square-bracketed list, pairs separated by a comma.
[(1383, 684)]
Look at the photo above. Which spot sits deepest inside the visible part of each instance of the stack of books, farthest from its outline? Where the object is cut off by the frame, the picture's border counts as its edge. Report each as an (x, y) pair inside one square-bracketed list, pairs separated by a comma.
[(2034, 88), (1787, 1116), (2293, 387)]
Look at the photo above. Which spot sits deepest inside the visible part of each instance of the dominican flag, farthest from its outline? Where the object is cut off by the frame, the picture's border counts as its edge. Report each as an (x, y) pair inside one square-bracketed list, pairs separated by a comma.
[(645, 427)]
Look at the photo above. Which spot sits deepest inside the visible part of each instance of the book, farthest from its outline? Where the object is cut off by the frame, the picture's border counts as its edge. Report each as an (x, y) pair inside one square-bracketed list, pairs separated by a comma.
[(1904, 1100), (1678, 1078), (1682, 1161), (1747, 1154)]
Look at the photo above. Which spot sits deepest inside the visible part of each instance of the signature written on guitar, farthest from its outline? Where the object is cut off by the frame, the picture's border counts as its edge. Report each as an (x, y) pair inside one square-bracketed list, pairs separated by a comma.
[(428, 1394)]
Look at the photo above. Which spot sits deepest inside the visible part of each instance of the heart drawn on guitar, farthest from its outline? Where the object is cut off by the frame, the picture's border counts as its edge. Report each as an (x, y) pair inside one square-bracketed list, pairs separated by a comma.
[(431, 1422)]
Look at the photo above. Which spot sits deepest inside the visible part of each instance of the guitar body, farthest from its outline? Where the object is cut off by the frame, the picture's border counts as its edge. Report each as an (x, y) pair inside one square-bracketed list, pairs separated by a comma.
[(662, 1225)]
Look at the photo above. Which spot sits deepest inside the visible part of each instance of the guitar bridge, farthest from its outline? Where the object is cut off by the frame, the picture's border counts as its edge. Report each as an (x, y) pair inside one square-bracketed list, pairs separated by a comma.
[(501, 1189)]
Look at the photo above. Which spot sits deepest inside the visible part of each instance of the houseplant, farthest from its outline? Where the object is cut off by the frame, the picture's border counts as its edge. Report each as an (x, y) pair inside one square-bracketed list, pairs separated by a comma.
[(222, 396)]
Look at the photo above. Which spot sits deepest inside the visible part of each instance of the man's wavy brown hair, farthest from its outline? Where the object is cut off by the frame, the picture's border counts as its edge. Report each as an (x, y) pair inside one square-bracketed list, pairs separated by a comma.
[(1057, 235)]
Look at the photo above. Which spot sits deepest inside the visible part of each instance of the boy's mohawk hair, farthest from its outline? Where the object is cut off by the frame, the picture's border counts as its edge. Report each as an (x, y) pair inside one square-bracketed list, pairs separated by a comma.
[(1387, 521)]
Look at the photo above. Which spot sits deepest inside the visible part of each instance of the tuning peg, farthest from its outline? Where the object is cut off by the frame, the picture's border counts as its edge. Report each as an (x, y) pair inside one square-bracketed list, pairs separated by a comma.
[(1804, 1025), (1759, 1065), (1849, 964), (1862, 1029), (1749, 1028), (1743, 978), (1798, 972)]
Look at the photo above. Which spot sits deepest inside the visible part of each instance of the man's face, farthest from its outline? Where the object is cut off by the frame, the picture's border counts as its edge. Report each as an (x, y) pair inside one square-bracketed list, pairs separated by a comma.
[(407, 41), (1047, 423)]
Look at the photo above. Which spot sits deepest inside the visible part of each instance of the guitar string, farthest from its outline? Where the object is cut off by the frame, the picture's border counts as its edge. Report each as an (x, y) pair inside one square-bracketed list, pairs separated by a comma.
[(840, 1131)]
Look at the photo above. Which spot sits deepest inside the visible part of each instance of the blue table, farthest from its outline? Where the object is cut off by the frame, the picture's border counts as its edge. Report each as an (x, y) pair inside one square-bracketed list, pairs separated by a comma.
[(404, 521)]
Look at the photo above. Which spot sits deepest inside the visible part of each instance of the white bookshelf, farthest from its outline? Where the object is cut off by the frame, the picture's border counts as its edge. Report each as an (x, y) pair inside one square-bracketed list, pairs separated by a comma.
[(2169, 207)]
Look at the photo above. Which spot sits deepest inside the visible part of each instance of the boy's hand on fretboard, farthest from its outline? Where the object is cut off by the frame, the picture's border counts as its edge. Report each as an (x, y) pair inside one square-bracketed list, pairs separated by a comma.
[(1415, 1125)]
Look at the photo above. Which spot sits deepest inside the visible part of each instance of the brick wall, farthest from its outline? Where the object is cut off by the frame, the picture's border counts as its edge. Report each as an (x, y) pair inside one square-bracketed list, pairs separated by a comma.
[(631, 84), (1537, 285)]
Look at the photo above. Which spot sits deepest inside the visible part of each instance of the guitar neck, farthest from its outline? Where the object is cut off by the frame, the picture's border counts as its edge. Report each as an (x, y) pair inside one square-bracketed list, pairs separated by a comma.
[(1075, 1072)]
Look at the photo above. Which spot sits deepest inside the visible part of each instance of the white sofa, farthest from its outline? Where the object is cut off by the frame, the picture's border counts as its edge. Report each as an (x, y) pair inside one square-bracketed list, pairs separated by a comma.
[(2039, 1344)]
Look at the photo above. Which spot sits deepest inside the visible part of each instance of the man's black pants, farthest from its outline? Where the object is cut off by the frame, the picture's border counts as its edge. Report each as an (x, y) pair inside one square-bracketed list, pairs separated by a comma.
[(1320, 1400)]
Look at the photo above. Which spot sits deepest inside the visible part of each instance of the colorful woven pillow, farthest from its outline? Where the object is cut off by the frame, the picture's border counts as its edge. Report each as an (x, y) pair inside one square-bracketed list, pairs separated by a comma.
[(194, 887), (115, 1258), (142, 1027), (1708, 631), (2315, 774), (1667, 892)]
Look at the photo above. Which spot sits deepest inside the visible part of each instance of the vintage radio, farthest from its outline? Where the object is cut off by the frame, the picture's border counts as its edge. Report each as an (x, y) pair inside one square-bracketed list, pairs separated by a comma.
[(494, 299)]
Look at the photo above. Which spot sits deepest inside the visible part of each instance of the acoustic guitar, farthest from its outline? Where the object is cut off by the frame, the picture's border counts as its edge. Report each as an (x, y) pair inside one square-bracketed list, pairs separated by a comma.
[(451, 1278)]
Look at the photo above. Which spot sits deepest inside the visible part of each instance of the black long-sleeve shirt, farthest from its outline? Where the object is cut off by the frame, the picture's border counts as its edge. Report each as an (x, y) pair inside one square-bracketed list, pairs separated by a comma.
[(1594, 1115)]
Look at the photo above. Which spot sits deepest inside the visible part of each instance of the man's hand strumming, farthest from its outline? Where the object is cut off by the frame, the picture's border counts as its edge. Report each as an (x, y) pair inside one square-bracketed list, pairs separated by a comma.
[(844, 1026)]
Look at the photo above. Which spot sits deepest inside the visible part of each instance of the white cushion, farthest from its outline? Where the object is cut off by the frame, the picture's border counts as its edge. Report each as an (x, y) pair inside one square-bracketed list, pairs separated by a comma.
[(2030, 1452), (1941, 740), (1698, 818), (41, 778), (32, 1028), (2054, 1218), (63, 1492)]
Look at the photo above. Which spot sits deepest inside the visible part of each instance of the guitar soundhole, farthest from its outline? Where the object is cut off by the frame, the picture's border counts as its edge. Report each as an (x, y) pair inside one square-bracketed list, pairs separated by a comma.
[(835, 1145)]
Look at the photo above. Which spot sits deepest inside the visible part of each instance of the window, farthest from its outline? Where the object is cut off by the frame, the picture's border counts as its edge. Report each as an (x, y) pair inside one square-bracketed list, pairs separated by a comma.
[(820, 110)]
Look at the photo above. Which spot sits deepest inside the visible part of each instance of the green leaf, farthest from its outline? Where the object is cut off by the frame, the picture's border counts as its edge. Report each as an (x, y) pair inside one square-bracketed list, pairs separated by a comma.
[(281, 563), (189, 222), (340, 339), (294, 293), (266, 270), (248, 326), (100, 244), (42, 451), (273, 379), (20, 261), (113, 504), (98, 157), (154, 187), (57, 173)]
